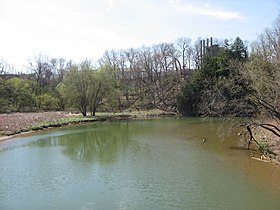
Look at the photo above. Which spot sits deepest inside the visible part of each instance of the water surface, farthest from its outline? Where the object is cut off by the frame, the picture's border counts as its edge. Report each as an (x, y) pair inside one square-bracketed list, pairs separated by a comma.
[(151, 164)]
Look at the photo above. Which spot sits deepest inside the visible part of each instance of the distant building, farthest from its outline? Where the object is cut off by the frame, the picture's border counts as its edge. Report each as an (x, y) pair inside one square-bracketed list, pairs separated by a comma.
[(207, 48)]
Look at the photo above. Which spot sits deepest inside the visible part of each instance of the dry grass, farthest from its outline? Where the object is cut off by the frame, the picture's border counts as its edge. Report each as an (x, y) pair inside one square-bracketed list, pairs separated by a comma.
[(21, 121)]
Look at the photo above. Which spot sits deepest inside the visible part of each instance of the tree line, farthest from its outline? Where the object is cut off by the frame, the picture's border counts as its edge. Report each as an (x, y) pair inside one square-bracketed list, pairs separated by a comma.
[(221, 79), (145, 78)]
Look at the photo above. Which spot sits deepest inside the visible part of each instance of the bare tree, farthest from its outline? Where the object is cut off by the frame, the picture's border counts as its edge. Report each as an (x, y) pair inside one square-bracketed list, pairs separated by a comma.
[(6, 68), (185, 50), (152, 76), (41, 68), (58, 68), (264, 72)]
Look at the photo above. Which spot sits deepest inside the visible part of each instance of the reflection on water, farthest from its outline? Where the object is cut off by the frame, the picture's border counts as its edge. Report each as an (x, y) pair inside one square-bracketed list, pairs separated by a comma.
[(96, 144), (156, 164)]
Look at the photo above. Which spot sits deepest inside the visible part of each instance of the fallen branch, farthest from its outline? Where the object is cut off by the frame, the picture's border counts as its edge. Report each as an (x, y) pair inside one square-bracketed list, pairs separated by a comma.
[(250, 136), (265, 126)]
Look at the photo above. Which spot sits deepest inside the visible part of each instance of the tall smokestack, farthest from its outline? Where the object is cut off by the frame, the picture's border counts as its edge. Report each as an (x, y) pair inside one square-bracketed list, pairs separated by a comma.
[(201, 52), (204, 48)]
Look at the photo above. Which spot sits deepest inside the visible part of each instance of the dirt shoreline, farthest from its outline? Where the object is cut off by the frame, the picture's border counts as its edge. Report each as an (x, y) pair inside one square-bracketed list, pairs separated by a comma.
[(15, 124)]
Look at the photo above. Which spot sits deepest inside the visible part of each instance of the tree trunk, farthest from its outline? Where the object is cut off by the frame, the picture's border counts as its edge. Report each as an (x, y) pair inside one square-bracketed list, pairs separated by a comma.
[(93, 111), (83, 111)]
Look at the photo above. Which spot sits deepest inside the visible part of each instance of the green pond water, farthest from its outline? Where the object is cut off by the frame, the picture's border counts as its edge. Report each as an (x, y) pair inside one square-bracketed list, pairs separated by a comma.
[(149, 164)]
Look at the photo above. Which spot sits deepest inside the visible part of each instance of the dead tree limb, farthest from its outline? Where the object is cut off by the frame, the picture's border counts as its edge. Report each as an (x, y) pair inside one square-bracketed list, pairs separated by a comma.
[(268, 127), (250, 136), (249, 128)]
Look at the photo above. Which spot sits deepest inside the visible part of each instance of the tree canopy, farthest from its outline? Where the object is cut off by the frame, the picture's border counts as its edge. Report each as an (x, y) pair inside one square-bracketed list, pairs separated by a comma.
[(219, 88)]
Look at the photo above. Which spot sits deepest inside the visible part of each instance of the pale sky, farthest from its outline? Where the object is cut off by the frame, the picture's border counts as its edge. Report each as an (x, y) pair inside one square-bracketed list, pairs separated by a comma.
[(79, 29)]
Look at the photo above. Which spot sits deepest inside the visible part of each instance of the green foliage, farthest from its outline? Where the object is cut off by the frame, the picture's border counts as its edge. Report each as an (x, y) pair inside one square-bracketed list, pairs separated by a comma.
[(21, 95), (219, 87), (4, 96), (77, 86), (109, 90), (60, 93), (86, 88), (238, 50), (188, 100), (48, 102)]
